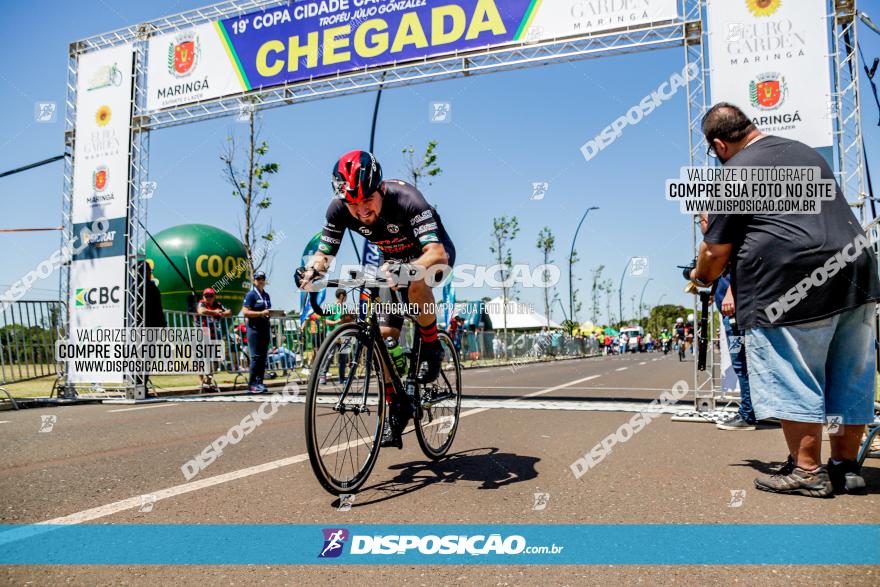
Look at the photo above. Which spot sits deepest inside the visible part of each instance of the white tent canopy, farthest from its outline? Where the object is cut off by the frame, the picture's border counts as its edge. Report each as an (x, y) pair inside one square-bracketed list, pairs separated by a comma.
[(519, 316)]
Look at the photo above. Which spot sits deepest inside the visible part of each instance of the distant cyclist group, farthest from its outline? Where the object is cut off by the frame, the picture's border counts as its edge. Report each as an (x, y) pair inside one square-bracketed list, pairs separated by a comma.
[(680, 340)]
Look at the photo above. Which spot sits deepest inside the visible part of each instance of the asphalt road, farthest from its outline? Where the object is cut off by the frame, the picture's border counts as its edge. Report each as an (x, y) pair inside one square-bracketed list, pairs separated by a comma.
[(97, 460)]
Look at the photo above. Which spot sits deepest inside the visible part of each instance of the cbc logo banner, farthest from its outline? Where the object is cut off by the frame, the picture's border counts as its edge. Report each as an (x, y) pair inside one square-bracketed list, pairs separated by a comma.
[(89, 297)]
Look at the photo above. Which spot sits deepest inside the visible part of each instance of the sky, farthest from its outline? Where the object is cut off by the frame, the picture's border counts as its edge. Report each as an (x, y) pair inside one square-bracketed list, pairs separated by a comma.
[(507, 131)]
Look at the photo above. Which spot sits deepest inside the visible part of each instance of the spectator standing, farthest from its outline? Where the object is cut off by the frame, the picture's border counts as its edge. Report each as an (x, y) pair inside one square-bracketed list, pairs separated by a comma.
[(210, 315), (497, 346), (455, 331), (153, 315), (724, 300), (812, 358), (257, 304), (338, 316)]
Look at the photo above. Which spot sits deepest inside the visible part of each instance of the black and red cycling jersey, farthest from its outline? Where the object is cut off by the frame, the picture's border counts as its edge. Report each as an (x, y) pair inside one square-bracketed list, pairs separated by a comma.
[(406, 224)]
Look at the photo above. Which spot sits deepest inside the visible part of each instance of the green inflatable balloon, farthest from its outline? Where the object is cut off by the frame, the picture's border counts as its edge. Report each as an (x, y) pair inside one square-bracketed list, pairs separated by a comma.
[(208, 257)]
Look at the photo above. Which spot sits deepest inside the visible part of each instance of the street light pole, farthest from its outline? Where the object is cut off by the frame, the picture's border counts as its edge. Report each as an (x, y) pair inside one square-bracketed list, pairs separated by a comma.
[(620, 290), (372, 147), (561, 307), (642, 297), (570, 257)]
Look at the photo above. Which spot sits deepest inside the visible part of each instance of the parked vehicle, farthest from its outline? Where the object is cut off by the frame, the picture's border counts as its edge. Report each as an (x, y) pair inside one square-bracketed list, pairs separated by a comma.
[(635, 334)]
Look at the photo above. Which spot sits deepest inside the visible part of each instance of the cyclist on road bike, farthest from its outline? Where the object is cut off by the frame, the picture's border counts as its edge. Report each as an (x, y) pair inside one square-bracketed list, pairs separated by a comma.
[(395, 216), (665, 340), (680, 331)]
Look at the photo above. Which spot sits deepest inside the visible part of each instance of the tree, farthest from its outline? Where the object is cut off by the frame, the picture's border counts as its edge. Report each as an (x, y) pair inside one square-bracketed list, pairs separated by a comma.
[(662, 317), (576, 304), (608, 287), (596, 291), (569, 326), (546, 244), (246, 170), (504, 230), (426, 169)]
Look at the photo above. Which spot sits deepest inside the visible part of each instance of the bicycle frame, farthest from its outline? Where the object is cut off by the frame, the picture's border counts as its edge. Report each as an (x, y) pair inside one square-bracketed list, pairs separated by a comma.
[(369, 297), (433, 404)]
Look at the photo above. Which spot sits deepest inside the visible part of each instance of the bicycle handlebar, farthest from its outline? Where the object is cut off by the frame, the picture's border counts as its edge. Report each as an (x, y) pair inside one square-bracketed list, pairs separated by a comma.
[(362, 281)]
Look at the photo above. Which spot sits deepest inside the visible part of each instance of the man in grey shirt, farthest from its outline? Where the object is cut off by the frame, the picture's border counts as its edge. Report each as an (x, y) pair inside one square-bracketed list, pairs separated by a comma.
[(805, 287)]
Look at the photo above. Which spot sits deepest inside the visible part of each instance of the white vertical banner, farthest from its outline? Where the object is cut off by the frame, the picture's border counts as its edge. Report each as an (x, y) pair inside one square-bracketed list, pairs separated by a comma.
[(100, 191), (771, 58), (103, 119)]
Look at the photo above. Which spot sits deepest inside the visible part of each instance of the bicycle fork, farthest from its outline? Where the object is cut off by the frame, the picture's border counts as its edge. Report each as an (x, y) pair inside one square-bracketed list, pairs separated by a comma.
[(363, 407)]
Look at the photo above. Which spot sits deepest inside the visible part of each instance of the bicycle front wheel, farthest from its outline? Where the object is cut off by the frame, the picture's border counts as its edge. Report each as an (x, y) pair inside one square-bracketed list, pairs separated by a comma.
[(440, 404), (345, 409)]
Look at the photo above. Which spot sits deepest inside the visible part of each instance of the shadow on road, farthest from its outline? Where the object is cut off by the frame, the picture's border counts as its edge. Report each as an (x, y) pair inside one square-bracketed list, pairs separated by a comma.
[(871, 475), (488, 466), (760, 466)]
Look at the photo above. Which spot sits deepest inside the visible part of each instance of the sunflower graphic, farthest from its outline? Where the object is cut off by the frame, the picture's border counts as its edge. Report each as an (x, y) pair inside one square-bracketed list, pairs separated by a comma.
[(102, 116), (763, 7)]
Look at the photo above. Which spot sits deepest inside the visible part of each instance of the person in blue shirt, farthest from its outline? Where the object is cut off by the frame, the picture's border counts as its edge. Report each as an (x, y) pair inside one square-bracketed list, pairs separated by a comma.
[(256, 310), (724, 301)]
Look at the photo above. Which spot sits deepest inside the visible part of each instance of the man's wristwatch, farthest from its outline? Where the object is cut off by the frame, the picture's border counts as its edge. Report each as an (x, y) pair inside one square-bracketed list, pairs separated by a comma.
[(697, 281)]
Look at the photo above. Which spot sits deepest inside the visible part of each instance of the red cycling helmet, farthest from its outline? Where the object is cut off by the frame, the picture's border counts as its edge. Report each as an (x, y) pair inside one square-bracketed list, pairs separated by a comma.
[(357, 175)]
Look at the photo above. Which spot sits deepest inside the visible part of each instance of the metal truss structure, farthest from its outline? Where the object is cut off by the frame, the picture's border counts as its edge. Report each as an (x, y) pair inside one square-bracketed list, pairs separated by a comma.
[(846, 106), (686, 31), (706, 383), (136, 223)]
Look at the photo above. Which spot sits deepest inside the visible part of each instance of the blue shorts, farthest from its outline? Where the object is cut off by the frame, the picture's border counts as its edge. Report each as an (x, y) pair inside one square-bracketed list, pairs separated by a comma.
[(806, 372)]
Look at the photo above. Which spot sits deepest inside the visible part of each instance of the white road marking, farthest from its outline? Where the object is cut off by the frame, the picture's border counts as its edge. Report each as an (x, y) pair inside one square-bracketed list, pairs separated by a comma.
[(578, 406), (5, 421), (621, 368), (643, 363), (134, 502), (535, 394), (573, 388), (329, 399), (140, 408), (625, 388)]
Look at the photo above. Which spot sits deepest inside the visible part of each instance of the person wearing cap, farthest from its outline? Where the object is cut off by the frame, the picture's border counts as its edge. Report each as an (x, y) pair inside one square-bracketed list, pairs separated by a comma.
[(256, 310), (209, 314), (151, 314)]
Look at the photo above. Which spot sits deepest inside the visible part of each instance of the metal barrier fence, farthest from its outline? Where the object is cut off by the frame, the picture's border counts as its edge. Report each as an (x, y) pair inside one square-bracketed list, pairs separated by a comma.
[(28, 331), (295, 346), (517, 346), (287, 346)]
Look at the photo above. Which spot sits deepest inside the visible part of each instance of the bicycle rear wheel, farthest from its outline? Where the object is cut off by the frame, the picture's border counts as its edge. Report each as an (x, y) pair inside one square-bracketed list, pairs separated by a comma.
[(343, 433), (440, 404)]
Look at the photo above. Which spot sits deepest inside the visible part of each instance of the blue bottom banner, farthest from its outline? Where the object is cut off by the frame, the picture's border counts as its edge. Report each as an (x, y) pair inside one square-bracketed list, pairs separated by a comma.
[(187, 544)]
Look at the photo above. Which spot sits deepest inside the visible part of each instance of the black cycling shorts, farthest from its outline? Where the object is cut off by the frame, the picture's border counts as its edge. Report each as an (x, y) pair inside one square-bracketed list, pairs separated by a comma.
[(393, 320)]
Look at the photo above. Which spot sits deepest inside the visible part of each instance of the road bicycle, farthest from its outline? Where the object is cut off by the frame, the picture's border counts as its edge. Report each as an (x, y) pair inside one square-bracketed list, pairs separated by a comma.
[(345, 400)]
